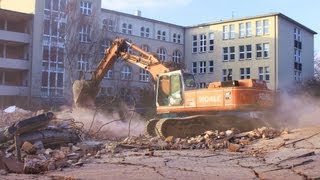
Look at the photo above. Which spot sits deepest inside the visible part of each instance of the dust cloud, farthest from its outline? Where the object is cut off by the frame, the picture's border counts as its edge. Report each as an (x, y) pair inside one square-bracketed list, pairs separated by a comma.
[(103, 124), (297, 111)]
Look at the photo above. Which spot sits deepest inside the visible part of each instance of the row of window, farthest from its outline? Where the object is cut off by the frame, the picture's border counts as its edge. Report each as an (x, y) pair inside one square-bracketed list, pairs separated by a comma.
[(202, 67), (245, 52), (297, 55), (202, 46), (245, 73), (126, 74), (245, 29), (108, 24)]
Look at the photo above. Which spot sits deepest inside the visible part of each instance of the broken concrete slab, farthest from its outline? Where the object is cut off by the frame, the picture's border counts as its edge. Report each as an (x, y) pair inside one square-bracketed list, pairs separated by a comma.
[(281, 155)]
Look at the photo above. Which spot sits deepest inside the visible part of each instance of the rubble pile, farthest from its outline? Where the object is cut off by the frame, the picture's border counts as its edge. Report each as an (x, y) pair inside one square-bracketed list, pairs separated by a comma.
[(231, 139), (34, 143), (26, 140), (13, 114)]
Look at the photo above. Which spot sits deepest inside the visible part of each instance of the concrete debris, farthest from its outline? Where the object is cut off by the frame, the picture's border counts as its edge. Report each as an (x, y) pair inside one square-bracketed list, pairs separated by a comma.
[(231, 139)]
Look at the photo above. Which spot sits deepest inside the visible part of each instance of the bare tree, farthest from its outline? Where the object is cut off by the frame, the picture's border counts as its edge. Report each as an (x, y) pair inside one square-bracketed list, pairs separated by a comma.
[(83, 36), (317, 65)]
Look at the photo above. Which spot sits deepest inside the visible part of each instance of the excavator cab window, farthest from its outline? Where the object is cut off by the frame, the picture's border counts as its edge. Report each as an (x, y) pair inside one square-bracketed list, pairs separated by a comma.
[(189, 81), (175, 97), (170, 90), (163, 90)]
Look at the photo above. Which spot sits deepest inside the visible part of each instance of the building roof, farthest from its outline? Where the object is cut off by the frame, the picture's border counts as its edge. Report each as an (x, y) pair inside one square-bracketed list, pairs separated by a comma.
[(140, 17), (255, 17)]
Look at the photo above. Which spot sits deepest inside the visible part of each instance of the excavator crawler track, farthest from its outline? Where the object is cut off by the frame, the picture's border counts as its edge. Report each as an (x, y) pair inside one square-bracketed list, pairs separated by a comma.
[(197, 124), (150, 128)]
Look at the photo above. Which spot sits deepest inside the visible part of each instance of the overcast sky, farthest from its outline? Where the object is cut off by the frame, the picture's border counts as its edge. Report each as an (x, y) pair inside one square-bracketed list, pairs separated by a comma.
[(192, 12)]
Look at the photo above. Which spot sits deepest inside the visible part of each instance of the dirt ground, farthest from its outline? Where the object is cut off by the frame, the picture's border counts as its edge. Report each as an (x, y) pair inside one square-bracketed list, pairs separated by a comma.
[(289, 156)]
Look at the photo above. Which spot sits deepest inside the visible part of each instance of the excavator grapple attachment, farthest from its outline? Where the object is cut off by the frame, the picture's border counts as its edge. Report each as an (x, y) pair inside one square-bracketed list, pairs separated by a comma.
[(84, 93)]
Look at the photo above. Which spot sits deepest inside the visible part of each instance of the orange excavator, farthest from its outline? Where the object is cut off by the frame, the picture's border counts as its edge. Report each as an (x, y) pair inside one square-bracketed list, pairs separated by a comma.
[(183, 110)]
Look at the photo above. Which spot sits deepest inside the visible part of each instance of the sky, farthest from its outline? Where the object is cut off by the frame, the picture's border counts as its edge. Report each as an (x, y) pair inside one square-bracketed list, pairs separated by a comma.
[(193, 12)]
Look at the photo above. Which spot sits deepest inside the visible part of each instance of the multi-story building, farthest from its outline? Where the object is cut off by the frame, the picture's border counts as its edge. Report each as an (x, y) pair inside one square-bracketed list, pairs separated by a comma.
[(62, 40), (271, 47), (15, 60), (164, 39)]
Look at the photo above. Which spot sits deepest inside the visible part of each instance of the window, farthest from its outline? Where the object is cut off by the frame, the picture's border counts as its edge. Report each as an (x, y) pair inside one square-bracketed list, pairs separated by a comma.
[(84, 34), (297, 76), (47, 4), (210, 67), (231, 31), (194, 67), (211, 41), (202, 85), (194, 43), (297, 55), (241, 52), (225, 54), (2, 51), (142, 31), (232, 53), (124, 28), (245, 73), (249, 51), (126, 73), (297, 34), (203, 43), (46, 27), (258, 28), (248, 29), (83, 63), (226, 74), (159, 34), (146, 48), (176, 56), (104, 45), (147, 32), (225, 32), (179, 38), (266, 49), (202, 67), (110, 25), (245, 52), (130, 29), (144, 75), (162, 54), (258, 50), (163, 35), (264, 73), (85, 8), (109, 74), (241, 30), (266, 26), (174, 38)]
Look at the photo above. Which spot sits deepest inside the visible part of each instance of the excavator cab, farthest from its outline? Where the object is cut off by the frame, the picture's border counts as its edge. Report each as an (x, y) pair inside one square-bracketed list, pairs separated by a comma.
[(171, 87)]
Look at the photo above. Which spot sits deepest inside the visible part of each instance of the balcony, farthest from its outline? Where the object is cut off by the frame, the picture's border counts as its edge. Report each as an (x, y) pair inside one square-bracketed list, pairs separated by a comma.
[(14, 64), (13, 90), (15, 36)]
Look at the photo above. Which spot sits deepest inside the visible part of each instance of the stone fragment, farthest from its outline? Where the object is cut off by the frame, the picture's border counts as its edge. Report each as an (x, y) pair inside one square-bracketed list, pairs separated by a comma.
[(3, 172), (169, 139), (28, 148), (234, 147), (34, 166), (51, 166)]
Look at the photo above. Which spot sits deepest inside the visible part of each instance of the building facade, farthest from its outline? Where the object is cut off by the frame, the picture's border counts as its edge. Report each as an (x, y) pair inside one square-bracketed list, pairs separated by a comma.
[(269, 47), (15, 59), (60, 41)]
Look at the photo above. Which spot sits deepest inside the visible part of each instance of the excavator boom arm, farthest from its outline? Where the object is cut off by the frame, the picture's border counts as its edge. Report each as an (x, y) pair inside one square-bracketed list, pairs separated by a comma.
[(85, 91)]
